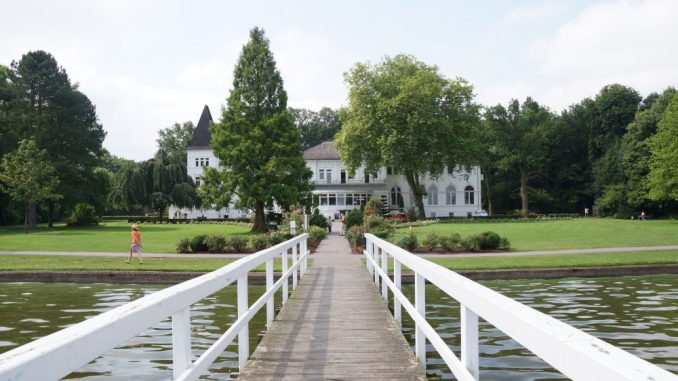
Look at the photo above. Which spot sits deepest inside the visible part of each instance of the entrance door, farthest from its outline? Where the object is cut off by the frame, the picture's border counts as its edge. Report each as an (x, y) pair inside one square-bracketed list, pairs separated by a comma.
[(343, 176)]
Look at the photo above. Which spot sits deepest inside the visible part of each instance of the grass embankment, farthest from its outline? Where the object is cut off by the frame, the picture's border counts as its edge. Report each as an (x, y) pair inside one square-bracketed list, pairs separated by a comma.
[(564, 234), (560, 261), (77, 263), (108, 237)]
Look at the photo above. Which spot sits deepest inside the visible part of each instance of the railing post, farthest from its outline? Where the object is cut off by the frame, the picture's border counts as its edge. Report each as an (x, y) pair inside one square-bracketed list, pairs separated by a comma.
[(420, 305), (375, 257), (244, 334), (397, 275), (270, 304), (369, 254), (384, 266), (294, 260), (469, 341), (304, 263), (284, 270), (181, 341)]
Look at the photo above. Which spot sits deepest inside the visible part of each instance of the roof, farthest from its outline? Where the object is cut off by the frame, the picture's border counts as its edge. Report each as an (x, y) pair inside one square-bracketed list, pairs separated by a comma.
[(323, 151), (201, 134)]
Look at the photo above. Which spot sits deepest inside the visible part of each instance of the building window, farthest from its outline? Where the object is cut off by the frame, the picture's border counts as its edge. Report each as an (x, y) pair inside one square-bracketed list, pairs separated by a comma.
[(323, 199), (207, 162), (333, 199), (197, 162), (341, 199), (469, 196), (451, 195), (397, 197), (321, 174), (328, 173), (349, 199), (197, 181), (432, 195)]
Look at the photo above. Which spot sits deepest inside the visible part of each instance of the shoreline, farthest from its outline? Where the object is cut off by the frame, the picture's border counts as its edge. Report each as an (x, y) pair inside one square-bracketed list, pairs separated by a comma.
[(259, 278)]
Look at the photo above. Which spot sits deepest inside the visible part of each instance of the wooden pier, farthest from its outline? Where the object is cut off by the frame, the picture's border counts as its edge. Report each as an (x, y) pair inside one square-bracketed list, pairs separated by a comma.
[(334, 326)]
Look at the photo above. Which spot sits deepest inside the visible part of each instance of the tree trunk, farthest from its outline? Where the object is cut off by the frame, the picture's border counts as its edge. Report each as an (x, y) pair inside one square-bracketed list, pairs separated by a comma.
[(50, 214), (26, 217), (31, 221), (259, 218), (488, 193), (161, 211), (523, 189), (413, 182)]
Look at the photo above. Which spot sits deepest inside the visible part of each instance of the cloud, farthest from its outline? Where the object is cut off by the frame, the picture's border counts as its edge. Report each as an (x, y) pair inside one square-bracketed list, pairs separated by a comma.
[(627, 42), (535, 12)]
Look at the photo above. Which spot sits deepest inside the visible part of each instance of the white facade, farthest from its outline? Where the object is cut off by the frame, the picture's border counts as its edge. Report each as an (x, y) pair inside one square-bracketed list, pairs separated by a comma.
[(196, 161), (452, 195)]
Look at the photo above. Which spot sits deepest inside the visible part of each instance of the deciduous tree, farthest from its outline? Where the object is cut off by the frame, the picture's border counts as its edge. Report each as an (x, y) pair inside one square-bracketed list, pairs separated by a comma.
[(174, 139), (662, 180), (404, 114), (28, 177)]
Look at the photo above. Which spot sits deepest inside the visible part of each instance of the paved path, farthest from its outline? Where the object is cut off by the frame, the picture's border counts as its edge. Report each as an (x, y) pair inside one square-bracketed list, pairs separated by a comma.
[(335, 326), (424, 255)]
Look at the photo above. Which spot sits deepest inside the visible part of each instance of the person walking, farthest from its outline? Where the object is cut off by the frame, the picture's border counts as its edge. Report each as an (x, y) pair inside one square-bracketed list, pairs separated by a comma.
[(342, 229), (136, 245)]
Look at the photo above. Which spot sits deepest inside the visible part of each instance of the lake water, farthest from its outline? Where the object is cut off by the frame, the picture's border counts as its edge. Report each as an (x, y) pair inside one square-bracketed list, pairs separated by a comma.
[(638, 314)]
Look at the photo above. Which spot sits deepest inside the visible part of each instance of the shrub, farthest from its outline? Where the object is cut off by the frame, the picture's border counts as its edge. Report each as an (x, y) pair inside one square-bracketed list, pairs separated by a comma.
[(355, 235), (482, 241), (318, 219), (293, 216), (184, 246), (353, 218), (408, 241), (83, 214), (276, 238), (450, 242), (259, 242), (373, 207), (379, 226), (471, 242), (238, 243), (504, 244), (198, 244), (215, 243), (316, 234), (431, 241)]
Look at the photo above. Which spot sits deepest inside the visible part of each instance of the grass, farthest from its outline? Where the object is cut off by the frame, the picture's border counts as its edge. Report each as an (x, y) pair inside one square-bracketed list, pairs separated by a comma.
[(55, 263), (564, 234), (108, 237), (562, 260)]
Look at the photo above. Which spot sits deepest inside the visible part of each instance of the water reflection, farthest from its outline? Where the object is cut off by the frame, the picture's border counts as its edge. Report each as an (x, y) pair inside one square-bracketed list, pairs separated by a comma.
[(637, 314), (31, 311)]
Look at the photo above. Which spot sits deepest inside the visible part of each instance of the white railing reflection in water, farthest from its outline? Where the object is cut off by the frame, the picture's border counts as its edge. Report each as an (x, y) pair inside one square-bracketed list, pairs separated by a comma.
[(59, 354), (575, 353)]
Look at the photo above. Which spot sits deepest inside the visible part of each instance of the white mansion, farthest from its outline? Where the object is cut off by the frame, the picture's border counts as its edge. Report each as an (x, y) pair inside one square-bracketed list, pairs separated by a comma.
[(452, 194)]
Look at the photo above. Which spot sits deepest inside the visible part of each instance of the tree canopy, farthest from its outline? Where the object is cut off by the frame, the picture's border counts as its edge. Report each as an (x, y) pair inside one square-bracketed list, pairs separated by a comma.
[(256, 141), (404, 114), (662, 179), (315, 127), (174, 140)]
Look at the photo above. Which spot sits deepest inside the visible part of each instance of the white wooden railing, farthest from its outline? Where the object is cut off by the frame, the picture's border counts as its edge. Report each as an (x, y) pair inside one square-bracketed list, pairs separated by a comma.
[(55, 356), (576, 354)]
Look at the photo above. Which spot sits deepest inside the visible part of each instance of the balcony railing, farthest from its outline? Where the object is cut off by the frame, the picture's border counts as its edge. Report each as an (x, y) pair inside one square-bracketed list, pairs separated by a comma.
[(356, 181)]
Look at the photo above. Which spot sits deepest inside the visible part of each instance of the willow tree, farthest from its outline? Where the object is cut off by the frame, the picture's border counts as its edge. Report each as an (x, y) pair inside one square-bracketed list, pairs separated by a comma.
[(404, 114), (256, 141)]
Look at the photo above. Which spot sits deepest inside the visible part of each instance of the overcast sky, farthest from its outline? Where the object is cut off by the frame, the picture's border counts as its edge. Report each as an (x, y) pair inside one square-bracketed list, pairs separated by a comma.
[(148, 64)]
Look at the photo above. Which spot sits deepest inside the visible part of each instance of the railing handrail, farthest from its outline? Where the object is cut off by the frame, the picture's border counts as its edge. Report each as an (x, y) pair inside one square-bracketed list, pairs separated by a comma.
[(573, 352), (58, 354)]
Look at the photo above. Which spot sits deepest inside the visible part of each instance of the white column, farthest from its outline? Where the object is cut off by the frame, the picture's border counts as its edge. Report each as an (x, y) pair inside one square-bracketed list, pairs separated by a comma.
[(420, 305), (304, 263), (469, 340), (397, 310), (270, 304), (244, 334), (294, 260), (384, 266), (375, 257), (284, 270), (181, 341)]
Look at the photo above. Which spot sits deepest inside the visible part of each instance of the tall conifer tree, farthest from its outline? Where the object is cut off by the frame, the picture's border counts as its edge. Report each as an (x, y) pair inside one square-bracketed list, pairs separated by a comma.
[(256, 140)]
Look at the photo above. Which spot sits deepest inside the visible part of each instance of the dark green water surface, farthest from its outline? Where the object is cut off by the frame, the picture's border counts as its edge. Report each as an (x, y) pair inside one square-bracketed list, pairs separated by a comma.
[(637, 314)]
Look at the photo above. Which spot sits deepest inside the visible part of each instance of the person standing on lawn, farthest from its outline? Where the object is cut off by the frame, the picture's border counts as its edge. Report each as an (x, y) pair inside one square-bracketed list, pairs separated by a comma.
[(136, 245)]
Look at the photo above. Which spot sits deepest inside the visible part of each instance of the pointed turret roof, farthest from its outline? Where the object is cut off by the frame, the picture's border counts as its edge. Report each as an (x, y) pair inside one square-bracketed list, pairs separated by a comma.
[(201, 134)]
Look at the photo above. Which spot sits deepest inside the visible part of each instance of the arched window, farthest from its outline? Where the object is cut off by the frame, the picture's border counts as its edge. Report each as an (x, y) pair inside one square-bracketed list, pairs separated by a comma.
[(469, 196), (396, 196), (432, 195), (451, 195)]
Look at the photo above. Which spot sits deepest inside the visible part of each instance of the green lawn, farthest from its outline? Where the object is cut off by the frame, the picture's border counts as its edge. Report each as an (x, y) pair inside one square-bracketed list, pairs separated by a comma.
[(108, 237), (563, 260), (565, 234)]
